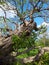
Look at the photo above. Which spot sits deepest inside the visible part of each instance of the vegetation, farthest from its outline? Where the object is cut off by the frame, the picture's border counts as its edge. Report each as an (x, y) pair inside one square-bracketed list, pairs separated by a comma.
[(22, 46)]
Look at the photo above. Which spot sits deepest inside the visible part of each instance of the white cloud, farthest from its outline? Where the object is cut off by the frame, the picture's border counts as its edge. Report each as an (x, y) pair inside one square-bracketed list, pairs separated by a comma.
[(44, 23), (10, 14), (1, 12)]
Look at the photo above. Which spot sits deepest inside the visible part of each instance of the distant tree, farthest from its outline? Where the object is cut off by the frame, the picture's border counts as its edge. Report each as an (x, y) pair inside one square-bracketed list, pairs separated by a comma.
[(43, 41)]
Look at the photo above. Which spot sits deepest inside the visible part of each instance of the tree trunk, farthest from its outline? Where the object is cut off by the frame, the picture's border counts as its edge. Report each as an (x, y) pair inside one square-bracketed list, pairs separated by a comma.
[(6, 42)]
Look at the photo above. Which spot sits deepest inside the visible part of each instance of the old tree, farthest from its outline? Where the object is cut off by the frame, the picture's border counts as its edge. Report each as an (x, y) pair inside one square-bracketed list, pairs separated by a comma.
[(26, 32)]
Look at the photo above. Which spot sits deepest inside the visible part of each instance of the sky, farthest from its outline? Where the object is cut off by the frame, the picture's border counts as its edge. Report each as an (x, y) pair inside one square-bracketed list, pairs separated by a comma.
[(11, 15)]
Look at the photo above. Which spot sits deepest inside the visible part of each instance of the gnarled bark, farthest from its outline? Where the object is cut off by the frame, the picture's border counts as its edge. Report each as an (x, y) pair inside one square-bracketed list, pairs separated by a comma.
[(6, 42)]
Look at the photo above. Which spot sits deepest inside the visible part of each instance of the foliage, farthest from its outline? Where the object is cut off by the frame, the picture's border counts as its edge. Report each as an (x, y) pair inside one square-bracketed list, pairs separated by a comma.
[(43, 29), (28, 54), (43, 41), (26, 41), (43, 61), (23, 41)]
